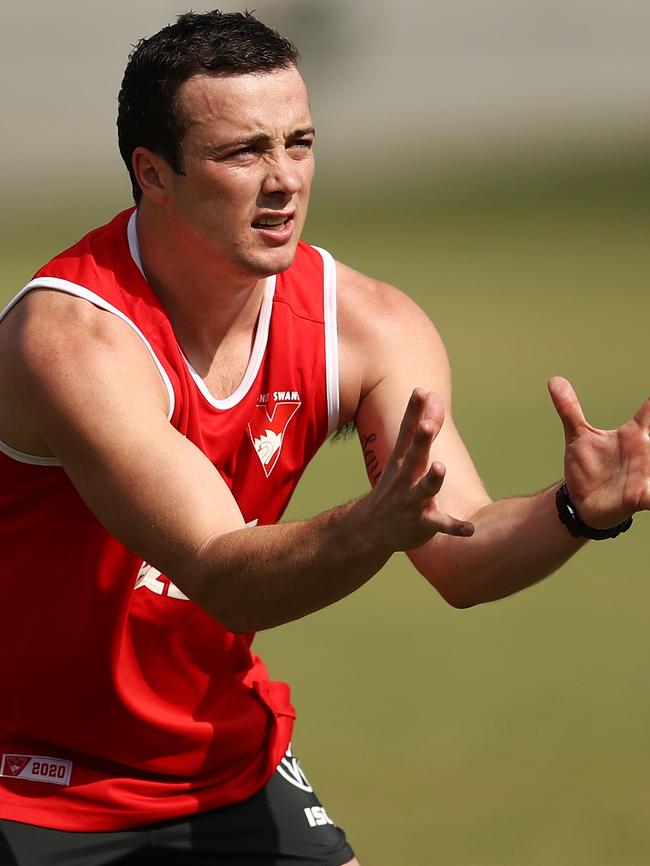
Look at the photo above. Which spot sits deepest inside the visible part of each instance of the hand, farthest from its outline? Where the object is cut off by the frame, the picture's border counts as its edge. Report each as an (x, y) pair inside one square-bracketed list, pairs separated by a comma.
[(607, 472), (403, 506)]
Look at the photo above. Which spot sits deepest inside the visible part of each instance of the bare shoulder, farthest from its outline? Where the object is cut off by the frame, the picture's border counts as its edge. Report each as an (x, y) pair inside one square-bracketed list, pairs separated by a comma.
[(382, 332), (60, 353), (86, 390), (368, 303), (51, 327)]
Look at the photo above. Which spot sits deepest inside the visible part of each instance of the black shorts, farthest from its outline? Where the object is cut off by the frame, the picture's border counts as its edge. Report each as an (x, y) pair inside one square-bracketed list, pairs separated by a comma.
[(284, 824)]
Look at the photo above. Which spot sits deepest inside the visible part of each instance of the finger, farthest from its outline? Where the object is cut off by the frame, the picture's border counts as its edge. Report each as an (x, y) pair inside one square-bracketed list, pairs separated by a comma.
[(410, 421), (434, 409), (417, 457), (430, 485), (449, 525), (642, 416), (431, 482), (566, 405)]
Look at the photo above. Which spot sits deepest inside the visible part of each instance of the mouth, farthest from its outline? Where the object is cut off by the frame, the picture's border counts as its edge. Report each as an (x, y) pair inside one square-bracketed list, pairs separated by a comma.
[(275, 227), (272, 222)]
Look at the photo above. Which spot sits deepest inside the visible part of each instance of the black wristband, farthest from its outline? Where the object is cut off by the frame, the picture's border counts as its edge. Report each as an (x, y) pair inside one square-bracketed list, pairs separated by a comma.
[(570, 518)]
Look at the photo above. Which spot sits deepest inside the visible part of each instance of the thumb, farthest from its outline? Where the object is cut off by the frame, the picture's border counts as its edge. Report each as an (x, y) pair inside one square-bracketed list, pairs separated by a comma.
[(566, 405), (642, 417)]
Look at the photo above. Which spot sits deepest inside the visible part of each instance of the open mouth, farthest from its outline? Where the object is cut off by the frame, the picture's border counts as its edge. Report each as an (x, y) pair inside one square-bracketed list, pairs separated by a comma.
[(272, 222)]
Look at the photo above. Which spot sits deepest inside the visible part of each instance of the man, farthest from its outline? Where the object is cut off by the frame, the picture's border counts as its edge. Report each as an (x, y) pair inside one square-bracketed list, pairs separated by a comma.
[(164, 382)]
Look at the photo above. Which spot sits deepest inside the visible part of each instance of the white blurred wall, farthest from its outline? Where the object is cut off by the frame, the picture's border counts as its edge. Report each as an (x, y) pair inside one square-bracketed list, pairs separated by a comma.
[(396, 87)]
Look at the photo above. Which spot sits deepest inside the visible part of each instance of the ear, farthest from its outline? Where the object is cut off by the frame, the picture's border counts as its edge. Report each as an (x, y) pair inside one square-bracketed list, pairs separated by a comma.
[(150, 171)]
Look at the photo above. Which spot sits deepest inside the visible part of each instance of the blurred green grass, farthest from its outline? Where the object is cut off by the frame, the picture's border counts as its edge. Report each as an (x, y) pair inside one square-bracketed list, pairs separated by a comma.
[(514, 734)]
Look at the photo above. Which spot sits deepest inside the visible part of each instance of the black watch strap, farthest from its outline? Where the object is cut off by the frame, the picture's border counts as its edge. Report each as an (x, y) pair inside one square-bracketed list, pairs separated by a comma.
[(569, 516)]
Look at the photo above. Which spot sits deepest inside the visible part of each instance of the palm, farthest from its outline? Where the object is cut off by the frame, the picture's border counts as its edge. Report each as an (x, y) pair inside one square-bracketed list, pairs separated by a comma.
[(607, 471)]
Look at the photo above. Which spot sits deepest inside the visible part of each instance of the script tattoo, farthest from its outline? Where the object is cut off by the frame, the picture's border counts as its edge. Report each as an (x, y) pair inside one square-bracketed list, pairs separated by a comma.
[(372, 461)]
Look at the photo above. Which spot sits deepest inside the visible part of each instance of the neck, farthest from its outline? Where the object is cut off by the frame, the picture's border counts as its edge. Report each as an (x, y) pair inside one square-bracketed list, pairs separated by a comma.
[(208, 303)]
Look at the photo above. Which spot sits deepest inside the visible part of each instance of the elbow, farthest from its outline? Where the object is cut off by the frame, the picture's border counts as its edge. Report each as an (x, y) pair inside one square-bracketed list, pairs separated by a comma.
[(240, 627), (247, 624), (235, 618), (462, 603), (460, 600), (466, 595), (235, 621), (457, 595), (240, 619)]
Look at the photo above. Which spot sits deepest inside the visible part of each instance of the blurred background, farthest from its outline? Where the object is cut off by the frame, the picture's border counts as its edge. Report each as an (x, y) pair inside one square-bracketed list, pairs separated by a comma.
[(490, 158)]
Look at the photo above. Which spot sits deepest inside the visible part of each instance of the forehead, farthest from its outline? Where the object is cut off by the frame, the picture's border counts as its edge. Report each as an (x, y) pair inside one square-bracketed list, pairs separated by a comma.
[(270, 102)]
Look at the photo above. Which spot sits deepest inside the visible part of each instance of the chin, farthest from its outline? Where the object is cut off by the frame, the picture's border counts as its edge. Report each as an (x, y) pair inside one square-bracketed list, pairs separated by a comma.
[(274, 262)]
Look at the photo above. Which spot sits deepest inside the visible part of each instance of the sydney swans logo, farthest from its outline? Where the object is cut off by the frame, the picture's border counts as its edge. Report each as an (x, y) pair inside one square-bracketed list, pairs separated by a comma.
[(267, 427)]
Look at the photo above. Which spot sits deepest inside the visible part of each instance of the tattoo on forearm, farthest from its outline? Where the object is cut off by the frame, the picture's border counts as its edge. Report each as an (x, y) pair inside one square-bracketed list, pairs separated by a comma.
[(372, 461)]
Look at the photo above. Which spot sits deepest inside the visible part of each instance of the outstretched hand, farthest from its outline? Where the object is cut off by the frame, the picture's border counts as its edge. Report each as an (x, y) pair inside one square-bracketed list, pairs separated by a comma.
[(404, 505), (607, 472)]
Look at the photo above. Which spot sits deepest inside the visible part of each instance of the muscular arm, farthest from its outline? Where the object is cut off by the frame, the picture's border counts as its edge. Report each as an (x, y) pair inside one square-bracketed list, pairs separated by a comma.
[(77, 383), (517, 541)]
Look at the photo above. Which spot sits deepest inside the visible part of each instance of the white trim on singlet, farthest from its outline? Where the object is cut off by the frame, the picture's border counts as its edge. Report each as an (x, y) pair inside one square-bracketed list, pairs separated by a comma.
[(255, 360), (32, 459), (134, 246), (259, 344), (331, 340), (78, 291)]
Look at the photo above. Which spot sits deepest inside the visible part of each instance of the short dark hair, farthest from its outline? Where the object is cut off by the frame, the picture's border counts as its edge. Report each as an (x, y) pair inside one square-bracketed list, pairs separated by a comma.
[(216, 43)]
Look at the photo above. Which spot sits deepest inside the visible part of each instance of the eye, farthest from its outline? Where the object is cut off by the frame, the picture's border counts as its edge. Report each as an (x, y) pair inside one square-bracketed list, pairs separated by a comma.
[(244, 151), (301, 144)]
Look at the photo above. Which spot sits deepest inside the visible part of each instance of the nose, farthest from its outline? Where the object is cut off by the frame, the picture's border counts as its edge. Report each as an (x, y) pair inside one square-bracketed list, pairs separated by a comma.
[(283, 176)]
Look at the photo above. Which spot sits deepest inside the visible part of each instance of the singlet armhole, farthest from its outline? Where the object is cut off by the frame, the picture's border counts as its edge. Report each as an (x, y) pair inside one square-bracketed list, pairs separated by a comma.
[(331, 340), (78, 291)]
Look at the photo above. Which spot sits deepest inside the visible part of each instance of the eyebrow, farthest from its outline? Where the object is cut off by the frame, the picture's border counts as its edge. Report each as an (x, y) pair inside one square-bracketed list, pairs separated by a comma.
[(251, 141)]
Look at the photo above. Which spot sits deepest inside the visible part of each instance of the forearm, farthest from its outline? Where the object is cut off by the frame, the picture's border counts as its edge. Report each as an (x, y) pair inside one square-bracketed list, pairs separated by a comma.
[(256, 578), (517, 542)]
